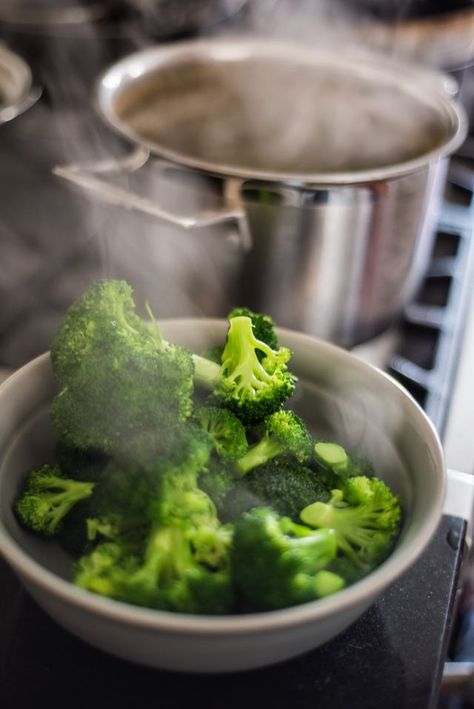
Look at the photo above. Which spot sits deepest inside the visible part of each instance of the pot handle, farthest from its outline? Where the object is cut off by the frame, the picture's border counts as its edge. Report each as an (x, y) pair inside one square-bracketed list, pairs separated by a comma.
[(88, 176), (10, 112)]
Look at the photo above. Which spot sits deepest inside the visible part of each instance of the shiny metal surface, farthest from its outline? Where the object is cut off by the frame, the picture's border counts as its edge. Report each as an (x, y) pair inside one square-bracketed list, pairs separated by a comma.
[(275, 112), (334, 158), (17, 92)]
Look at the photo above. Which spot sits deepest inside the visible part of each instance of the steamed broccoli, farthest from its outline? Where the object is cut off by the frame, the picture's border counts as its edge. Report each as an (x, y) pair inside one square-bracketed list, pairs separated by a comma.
[(250, 387), (277, 563), (117, 376), (285, 434), (282, 484), (365, 516), (178, 558), (47, 498), (170, 576), (227, 431), (263, 328), (262, 325), (218, 480)]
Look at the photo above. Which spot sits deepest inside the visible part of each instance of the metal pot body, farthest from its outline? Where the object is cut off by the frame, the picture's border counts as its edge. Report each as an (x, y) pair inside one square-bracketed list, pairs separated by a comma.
[(340, 262), (324, 187)]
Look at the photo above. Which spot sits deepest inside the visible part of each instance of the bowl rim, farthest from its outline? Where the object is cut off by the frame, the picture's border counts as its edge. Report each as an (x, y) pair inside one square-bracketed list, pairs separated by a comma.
[(361, 591)]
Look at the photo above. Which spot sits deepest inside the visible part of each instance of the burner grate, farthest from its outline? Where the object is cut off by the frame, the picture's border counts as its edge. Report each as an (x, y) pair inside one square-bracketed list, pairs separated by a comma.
[(430, 334)]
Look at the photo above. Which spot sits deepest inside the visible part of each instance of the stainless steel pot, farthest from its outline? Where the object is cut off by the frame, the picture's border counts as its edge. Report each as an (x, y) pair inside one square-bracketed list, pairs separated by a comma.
[(330, 158)]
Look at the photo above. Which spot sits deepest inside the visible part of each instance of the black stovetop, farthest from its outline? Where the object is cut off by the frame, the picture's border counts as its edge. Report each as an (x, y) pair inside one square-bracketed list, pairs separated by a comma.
[(392, 656)]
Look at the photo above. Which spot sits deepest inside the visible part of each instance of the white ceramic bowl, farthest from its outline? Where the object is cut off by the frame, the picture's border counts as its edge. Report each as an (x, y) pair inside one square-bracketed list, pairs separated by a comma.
[(342, 398)]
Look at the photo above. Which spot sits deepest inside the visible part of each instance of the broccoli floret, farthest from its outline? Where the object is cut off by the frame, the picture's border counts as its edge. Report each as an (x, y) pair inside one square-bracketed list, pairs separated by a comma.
[(277, 563), (217, 481), (181, 562), (227, 431), (365, 516), (285, 434), (249, 387), (105, 569), (263, 327), (117, 377), (131, 487), (170, 575), (282, 484), (47, 498)]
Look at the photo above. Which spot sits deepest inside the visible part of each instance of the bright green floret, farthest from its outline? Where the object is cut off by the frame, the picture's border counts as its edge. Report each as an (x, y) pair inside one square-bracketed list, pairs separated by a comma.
[(285, 434), (48, 497), (365, 517), (263, 326), (278, 563), (226, 430), (249, 386), (117, 377)]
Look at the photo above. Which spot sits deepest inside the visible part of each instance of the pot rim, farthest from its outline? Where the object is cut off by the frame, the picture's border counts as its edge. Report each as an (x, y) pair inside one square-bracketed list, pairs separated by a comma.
[(432, 87)]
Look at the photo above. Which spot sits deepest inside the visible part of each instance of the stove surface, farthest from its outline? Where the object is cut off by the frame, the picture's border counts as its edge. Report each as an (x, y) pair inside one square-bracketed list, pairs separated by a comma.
[(393, 656)]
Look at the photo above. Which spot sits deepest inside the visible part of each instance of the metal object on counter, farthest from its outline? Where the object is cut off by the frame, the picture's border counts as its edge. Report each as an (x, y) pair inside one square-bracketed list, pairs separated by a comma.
[(17, 92), (336, 155)]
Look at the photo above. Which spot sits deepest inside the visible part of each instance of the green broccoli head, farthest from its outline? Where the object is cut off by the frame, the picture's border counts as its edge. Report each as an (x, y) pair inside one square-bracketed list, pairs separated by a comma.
[(277, 563), (160, 478), (285, 434), (172, 575), (227, 431), (283, 484), (47, 497), (102, 318), (253, 379), (263, 327), (117, 376), (365, 516), (217, 480)]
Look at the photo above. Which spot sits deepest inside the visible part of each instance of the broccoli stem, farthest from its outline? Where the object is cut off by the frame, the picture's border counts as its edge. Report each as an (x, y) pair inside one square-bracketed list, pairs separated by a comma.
[(267, 448), (206, 372)]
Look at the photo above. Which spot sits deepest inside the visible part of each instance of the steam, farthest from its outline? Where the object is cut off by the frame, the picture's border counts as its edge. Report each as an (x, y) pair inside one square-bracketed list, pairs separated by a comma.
[(181, 273)]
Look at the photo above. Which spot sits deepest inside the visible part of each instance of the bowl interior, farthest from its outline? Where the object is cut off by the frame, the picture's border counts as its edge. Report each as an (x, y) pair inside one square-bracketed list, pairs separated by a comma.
[(340, 397)]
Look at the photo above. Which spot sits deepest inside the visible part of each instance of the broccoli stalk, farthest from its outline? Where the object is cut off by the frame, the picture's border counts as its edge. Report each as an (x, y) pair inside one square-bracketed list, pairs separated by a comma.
[(249, 386), (285, 433), (365, 516), (48, 497)]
